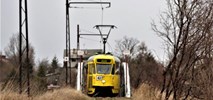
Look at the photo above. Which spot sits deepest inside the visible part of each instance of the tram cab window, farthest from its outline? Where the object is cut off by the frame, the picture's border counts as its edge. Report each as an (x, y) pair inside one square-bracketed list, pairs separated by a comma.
[(103, 68)]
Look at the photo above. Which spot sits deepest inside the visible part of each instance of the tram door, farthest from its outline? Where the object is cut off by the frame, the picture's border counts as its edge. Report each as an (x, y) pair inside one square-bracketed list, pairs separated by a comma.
[(91, 69)]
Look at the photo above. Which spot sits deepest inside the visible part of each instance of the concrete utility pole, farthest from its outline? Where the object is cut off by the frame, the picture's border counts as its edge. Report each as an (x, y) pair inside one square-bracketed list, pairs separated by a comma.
[(22, 22), (78, 36), (67, 41)]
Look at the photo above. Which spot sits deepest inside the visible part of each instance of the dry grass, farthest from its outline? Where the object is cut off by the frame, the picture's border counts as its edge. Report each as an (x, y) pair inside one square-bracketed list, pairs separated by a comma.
[(12, 96), (146, 92), (63, 94), (60, 94)]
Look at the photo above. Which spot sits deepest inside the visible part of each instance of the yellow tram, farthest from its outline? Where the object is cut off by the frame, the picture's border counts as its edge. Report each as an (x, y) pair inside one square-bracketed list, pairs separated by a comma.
[(102, 75)]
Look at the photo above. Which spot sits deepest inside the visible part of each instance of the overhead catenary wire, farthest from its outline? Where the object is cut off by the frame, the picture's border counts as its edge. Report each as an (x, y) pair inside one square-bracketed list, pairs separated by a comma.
[(85, 7), (84, 30), (110, 47), (89, 39), (100, 27), (75, 3), (100, 42), (102, 13), (93, 0)]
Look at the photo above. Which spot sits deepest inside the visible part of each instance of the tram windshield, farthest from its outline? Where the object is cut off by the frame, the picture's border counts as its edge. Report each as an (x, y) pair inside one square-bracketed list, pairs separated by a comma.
[(103, 68)]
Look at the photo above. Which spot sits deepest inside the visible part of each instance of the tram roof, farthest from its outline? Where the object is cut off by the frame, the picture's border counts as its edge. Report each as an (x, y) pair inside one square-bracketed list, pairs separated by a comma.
[(104, 56)]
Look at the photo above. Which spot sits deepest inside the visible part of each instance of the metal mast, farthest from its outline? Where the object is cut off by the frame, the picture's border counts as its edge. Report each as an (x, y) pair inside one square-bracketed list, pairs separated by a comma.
[(23, 33), (68, 54)]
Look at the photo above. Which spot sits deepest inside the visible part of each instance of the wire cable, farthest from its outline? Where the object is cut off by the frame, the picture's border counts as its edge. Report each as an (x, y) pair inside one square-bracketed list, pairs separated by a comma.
[(89, 39), (100, 42), (92, 0), (110, 47), (102, 13), (84, 30), (84, 7)]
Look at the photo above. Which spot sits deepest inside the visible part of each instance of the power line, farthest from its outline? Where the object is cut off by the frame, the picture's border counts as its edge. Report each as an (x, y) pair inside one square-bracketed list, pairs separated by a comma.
[(102, 13), (97, 41), (87, 31), (110, 47), (92, 0), (89, 39), (84, 7)]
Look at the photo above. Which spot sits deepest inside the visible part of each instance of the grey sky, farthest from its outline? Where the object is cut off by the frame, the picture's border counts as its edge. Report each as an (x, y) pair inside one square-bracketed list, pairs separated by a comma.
[(47, 24)]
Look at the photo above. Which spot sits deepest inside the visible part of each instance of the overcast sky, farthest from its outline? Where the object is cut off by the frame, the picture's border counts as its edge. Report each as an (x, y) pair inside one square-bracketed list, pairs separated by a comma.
[(47, 24)]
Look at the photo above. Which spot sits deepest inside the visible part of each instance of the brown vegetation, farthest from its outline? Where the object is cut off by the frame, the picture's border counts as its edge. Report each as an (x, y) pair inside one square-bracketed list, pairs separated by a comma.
[(187, 30), (61, 94), (12, 96), (143, 92), (143, 66), (146, 92)]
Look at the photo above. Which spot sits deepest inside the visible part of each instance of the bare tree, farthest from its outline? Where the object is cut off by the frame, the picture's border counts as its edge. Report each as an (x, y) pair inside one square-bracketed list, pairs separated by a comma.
[(186, 28), (143, 66), (126, 43), (12, 53)]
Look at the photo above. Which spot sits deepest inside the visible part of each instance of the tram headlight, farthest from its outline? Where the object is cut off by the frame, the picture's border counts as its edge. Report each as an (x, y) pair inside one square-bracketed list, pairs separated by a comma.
[(103, 81), (99, 77)]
